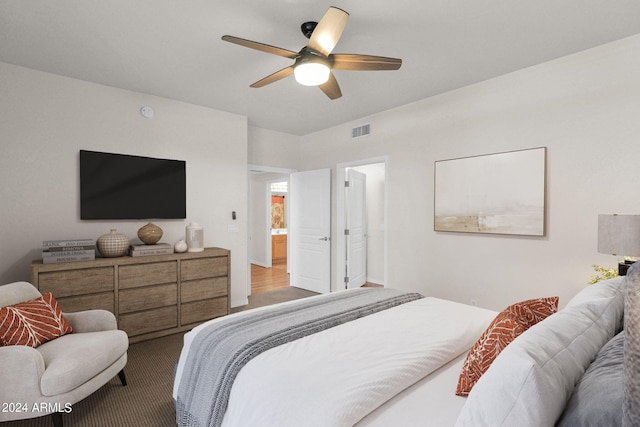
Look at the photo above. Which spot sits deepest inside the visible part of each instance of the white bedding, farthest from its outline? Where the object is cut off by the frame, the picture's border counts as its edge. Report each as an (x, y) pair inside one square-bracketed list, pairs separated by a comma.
[(338, 376), (431, 402)]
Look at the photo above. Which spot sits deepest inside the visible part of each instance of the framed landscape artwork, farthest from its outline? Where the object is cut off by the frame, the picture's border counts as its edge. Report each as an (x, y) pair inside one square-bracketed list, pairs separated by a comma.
[(502, 193)]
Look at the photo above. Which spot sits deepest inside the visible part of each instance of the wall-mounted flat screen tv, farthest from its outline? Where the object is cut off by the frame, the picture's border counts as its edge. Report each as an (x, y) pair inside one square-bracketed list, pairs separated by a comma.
[(120, 186)]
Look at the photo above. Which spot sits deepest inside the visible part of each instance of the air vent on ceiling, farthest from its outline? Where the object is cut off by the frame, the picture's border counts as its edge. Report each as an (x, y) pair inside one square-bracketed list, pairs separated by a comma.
[(360, 131)]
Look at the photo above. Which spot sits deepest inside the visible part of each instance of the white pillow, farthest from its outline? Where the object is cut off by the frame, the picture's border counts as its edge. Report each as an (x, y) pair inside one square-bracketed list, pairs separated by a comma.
[(603, 289), (531, 380)]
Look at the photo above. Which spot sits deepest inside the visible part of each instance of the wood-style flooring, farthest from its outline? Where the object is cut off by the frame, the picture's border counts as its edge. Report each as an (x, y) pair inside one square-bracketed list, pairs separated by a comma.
[(269, 279), (276, 277)]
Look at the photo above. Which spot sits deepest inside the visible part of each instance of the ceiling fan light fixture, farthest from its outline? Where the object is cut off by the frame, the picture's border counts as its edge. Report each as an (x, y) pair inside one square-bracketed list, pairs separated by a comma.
[(314, 62), (311, 71)]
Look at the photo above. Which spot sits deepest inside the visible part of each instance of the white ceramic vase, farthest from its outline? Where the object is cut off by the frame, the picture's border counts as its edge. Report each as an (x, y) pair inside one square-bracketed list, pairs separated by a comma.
[(180, 246), (195, 237)]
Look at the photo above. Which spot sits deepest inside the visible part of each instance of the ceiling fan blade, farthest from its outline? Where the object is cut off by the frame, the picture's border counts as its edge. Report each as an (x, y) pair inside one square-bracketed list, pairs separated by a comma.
[(331, 87), (328, 31), (262, 47), (278, 75), (347, 61)]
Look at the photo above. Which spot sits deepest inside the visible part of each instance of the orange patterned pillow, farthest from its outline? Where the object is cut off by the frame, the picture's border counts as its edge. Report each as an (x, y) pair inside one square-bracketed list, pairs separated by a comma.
[(507, 325), (32, 322)]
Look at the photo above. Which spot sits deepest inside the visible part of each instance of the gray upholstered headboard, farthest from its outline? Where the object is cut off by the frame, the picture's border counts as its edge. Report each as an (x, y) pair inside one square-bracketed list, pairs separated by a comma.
[(631, 402)]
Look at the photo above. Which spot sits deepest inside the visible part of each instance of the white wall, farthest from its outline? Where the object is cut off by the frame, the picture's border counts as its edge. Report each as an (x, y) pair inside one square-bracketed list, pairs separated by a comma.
[(46, 119), (584, 108), (272, 148)]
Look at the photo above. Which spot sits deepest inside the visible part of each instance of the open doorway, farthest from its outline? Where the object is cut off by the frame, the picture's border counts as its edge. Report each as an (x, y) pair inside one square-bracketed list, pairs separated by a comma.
[(268, 217), (361, 247)]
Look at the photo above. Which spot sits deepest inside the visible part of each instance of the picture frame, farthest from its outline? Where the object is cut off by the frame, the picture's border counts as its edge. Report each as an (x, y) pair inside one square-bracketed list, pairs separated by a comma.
[(500, 193)]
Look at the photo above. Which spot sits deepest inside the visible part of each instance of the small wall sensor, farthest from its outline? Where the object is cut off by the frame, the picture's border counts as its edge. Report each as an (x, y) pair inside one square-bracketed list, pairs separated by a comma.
[(147, 112), (233, 215)]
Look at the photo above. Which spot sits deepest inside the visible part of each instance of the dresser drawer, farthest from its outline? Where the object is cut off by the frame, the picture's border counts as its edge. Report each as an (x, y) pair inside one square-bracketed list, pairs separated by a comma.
[(103, 301), (143, 322), (76, 282), (200, 311), (148, 297), (192, 269), (156, 273), (195, 290)]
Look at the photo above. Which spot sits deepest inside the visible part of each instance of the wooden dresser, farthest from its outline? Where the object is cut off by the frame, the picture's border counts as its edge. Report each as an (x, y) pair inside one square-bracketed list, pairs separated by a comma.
[(151, 296)]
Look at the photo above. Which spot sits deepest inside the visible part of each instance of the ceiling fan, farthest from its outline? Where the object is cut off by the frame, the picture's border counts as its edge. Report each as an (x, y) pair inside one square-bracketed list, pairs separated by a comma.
[(314, 62)]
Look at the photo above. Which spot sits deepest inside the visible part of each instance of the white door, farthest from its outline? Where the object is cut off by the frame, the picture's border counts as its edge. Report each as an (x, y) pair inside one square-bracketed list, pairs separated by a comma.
[(356, 226), (310, 230)]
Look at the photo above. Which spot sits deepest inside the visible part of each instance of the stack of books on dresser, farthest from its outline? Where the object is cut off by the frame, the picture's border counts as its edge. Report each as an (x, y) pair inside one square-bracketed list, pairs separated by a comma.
[(145, 250), (55, 251)]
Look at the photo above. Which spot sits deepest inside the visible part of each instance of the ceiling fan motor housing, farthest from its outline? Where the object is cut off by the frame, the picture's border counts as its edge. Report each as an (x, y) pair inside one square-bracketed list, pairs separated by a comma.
[(307, 28)]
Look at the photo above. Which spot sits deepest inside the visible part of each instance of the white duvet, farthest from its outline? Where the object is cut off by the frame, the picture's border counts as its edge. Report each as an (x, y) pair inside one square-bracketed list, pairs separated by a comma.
[(338, 376)]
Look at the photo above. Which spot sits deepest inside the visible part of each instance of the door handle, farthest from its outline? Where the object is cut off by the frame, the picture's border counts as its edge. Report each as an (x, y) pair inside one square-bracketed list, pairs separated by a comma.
[(324, 238)]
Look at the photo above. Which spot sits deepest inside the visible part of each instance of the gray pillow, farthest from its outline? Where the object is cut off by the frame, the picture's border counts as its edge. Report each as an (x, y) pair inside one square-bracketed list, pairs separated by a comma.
[(597, 399)]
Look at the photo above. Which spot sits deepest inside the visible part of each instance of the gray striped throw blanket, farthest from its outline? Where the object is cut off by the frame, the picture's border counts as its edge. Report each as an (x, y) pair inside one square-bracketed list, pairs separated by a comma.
[(219, 351)]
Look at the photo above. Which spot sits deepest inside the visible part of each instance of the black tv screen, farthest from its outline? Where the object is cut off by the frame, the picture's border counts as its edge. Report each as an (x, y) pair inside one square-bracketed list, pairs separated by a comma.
[(119, 186)]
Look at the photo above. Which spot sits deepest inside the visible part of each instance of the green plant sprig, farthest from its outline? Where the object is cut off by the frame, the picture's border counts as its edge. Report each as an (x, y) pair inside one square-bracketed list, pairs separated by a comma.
[(603, 274)]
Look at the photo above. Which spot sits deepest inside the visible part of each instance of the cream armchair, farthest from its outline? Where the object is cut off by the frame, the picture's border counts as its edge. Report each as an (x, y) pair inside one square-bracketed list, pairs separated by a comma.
[(50, 378)]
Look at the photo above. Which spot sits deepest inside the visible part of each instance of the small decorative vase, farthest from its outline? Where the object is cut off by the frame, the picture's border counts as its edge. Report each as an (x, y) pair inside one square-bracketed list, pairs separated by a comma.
[(195, 237), (113, 244), (180, 246), (150, 234)]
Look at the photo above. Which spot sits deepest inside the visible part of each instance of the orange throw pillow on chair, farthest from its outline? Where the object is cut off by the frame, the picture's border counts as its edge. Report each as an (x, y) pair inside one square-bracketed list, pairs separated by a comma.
[(32, 322)]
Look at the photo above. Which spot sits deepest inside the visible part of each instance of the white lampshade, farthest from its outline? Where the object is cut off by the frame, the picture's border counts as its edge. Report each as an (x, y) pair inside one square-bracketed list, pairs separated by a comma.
[(619, 235), (311, 73)]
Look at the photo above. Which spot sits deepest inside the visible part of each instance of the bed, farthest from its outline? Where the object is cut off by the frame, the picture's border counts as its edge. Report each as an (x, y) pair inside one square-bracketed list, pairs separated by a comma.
[(371, 358)]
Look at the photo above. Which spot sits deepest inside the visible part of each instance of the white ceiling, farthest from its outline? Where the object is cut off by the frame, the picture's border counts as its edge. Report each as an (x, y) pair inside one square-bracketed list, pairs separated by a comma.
[(173, 49)]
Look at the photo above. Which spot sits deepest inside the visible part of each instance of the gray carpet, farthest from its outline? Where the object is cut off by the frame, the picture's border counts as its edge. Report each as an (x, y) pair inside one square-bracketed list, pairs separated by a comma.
[(146, 401), (274, 297)]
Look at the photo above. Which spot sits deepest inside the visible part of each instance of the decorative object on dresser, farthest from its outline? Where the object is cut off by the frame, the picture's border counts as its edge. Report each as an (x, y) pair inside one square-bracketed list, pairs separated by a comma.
[(146, 250), (40, 378), (55, 251), (113, 244), (151, 296), (195, 237), (180, 246), (619, 235), (150, 234)]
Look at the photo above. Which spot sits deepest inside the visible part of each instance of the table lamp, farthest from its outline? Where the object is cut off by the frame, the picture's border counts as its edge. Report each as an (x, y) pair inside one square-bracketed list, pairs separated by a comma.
[(619, 235)]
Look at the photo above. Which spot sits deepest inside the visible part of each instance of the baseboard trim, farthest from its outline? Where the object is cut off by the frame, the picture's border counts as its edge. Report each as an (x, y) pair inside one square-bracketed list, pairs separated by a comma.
[(259, 263), (236, 303)]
